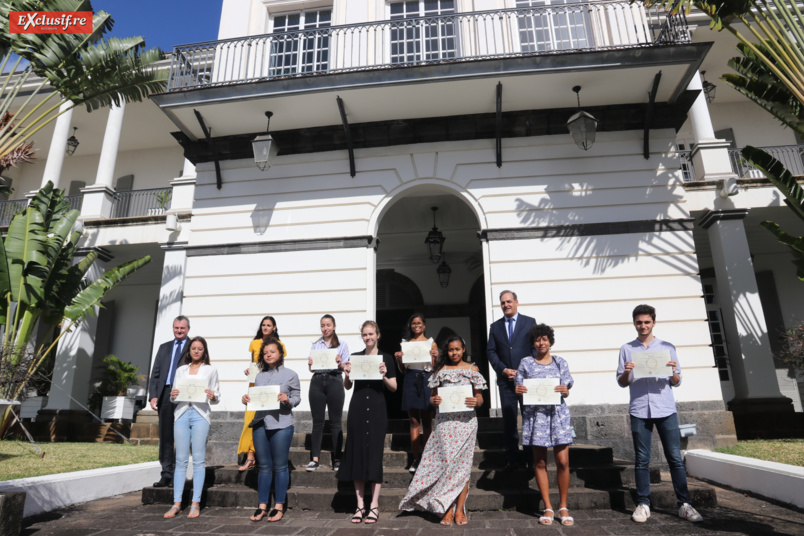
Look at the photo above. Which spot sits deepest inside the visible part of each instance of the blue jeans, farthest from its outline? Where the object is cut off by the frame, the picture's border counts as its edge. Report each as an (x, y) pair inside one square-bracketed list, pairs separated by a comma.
[(272, 448), (190, 429), (642, 431)]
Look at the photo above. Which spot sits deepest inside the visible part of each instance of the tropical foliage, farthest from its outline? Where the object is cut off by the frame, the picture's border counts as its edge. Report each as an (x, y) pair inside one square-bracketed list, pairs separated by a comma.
[(769, 72), (793, 351), (51, 73), (115, 379), (42, 286)]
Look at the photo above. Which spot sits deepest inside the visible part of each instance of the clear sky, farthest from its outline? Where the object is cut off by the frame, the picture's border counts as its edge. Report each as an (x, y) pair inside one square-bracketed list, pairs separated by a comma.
[(164, 23)]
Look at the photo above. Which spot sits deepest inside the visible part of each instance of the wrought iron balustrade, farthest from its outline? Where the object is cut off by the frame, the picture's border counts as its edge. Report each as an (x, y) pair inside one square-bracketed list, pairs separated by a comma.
[(427, 40), (128, 204), (791, 156), (687, 167), (9, 209)]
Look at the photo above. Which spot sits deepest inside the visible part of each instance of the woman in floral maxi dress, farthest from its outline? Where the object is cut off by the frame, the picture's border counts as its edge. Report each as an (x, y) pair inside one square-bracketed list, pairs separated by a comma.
[(547, 426), (441, 483)]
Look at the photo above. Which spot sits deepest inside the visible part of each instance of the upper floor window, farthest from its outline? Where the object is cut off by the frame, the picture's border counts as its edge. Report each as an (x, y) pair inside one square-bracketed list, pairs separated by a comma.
[(416, 37), (561, 26), (300, 42)]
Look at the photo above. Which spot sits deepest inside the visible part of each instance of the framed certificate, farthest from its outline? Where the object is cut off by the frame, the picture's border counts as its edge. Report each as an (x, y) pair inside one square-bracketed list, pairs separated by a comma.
[(253, 370), (651, 364), (263, 397), (541, 392), (365, 367), (453, 399), (324, 359), (416, 352), (191, 390)]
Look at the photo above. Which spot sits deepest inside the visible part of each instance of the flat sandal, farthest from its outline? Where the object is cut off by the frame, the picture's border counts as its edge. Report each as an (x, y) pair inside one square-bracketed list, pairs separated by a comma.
[(544, 520)]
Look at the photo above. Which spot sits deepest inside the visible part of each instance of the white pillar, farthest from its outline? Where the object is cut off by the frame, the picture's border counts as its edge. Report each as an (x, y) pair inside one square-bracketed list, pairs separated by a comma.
[(98, 197), (753, 370), (710, 156), (58, 145)]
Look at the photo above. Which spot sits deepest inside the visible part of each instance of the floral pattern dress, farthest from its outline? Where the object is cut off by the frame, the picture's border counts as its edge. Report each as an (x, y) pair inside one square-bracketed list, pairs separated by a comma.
[(545, 426), (446, 463)]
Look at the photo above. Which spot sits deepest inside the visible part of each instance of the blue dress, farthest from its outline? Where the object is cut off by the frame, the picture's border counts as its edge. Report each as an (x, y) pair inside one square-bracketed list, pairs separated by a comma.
[(545, 426)]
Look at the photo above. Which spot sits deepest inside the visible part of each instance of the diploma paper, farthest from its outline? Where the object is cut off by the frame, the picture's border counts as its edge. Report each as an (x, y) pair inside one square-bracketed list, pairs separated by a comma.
[(253, 370), (416, 352), (191, 390), (263, 397), (324, 359), (541, 392), (365, 367), (453, 399), (651, 364)]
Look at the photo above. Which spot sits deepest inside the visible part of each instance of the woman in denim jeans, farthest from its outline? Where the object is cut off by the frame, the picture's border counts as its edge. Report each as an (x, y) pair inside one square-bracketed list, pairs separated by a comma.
[(191, 426), (273, 430)]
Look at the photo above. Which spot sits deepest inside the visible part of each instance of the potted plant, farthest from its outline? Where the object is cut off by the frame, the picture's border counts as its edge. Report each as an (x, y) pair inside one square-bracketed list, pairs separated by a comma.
[(163, 198), (110, 396)]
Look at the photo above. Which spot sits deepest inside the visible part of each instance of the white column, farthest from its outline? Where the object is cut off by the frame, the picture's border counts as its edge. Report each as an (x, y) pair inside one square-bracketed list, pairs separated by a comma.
[(753, 370), (98, 197), (58, 145), (710, 156)]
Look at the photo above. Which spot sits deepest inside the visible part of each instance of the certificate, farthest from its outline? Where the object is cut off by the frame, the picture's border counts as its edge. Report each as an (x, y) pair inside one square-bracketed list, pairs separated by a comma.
[(453, 399), (541, 392), (416, 352), (324, 359), (191, 390), (263, 397), (253, 370), (651, 364), (365, 367)]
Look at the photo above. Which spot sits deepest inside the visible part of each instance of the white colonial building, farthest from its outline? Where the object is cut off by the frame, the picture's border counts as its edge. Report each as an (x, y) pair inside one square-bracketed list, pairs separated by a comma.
[(382, 110)]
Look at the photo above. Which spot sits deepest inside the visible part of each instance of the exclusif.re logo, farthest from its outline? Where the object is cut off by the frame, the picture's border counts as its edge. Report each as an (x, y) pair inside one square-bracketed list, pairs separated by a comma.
[(50, 22)]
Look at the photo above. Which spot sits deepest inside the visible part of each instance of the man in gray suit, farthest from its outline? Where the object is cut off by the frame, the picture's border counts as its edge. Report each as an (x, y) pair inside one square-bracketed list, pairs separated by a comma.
[(508, 344), (169, 357)]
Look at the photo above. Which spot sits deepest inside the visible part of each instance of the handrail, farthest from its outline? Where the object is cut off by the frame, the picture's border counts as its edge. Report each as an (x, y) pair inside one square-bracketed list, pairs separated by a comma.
[(133, 203), (791, 156)]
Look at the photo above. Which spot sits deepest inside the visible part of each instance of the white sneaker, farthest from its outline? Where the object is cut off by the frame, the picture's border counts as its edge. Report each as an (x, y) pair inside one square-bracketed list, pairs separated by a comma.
[(686, 511), (642, 513)]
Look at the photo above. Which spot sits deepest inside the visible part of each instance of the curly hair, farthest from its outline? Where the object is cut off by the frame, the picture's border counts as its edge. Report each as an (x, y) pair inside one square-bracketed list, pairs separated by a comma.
[(539, 330), (265, 342)]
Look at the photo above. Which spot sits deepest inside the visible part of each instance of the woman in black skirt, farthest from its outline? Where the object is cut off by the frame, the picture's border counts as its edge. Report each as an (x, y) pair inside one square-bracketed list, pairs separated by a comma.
[(415, 392), (366, 426)]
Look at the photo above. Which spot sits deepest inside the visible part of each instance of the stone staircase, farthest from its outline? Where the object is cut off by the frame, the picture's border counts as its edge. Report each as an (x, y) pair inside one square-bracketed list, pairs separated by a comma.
[(597, 480)]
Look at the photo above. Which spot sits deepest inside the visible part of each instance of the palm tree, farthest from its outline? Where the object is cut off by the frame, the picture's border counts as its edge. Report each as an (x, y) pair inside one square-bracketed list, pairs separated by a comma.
[(769, 72), (46, 71)]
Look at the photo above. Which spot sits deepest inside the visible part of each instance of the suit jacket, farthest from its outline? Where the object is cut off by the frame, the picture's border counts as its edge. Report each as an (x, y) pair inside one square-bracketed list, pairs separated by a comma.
[(161, 367), (505, 354)]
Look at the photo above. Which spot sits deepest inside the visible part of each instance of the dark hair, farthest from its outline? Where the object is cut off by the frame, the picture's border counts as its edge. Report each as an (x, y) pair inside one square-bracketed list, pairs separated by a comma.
[(442, 354), (335, 341), (644, 309), (265, 342), (408, 330), (539, 330), (259, 334), (188, 359), (511, 292), (182, 318)]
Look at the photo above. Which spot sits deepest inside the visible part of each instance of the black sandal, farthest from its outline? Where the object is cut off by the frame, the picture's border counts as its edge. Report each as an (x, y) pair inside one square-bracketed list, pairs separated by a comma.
[(371, 520), (259, 512), (358, 517), (273, 513)]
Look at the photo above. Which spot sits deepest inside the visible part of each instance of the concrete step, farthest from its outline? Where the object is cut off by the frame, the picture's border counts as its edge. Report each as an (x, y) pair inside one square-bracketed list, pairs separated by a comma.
[(343, 500)]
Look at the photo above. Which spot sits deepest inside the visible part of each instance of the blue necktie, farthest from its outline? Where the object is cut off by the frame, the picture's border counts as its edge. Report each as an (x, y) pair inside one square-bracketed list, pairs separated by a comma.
[(175, 362), (510, 329)]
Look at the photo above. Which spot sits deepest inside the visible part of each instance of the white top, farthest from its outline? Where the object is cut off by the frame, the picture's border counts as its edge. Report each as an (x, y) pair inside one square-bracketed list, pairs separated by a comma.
[(205, 371)]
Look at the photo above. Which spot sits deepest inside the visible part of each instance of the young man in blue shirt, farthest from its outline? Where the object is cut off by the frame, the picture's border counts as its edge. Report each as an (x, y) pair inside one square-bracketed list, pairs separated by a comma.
[(652, 404)]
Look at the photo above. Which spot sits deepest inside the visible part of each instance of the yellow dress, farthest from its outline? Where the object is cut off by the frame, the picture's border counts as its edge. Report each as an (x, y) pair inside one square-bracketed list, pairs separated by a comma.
[(246, 439)]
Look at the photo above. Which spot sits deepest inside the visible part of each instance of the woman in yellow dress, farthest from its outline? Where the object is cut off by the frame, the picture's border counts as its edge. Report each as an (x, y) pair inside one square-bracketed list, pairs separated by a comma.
[(267, 329)]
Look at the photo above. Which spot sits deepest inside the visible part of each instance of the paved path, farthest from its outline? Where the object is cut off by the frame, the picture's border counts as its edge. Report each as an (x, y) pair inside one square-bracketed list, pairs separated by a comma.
[(736, 515)]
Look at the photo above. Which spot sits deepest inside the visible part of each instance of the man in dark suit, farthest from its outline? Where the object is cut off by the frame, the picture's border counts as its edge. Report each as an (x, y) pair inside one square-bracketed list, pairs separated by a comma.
[(508, 344), (168, 359)]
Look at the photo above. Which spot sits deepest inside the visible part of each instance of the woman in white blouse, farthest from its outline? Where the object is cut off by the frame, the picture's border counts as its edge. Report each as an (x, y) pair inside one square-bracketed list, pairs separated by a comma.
[(191, 425)]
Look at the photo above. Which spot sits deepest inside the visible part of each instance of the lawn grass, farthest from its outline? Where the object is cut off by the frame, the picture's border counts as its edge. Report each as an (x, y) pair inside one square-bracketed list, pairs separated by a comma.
[(18, 459), (789, 451)]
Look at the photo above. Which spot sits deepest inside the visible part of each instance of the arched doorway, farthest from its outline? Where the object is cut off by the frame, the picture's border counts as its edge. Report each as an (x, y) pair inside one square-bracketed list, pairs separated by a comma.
[(407, 280)]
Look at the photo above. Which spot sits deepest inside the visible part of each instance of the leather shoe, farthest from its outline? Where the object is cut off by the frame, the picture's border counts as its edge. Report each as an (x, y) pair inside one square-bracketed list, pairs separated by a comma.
[(511, 467), (164, 483)]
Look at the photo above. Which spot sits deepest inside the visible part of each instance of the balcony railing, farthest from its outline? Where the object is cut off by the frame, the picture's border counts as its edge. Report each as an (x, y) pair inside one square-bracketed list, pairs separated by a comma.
[(75, 201), (792, 156), (451, 38), (687, 167), (135, 203), (9, 209)]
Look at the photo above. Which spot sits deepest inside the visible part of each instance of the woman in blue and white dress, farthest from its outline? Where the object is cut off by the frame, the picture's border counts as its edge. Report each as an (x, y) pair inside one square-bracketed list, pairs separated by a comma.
[(547, 426)]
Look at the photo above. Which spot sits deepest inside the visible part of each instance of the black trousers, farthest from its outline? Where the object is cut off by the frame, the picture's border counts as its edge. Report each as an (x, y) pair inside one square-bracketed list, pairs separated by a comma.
[(326, 391), (167, 454), (510, 411)]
